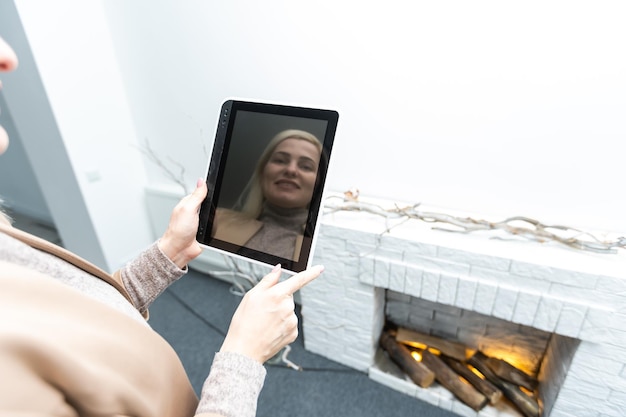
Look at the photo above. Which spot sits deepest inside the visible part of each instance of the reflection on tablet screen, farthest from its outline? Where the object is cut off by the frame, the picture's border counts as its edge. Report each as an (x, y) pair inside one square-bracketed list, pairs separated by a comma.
[(265, 178)]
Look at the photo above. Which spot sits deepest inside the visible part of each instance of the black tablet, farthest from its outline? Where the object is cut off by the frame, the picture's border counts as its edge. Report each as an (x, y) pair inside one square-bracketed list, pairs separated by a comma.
[(265, 178)]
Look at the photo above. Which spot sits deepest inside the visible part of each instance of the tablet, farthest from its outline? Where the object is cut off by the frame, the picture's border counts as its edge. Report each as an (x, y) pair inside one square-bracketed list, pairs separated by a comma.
[(265, 179)]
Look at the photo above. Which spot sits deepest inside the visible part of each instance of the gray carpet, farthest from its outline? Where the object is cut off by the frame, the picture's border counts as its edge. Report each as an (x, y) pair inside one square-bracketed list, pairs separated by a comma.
[(193, 315)]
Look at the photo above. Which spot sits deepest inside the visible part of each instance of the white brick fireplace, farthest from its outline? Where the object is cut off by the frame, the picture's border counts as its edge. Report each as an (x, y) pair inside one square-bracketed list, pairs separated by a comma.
[(578, 297)]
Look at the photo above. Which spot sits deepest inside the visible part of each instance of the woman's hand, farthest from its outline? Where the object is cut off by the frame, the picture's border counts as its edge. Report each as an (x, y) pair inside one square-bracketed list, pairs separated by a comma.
[(265, 320), (179, 240)]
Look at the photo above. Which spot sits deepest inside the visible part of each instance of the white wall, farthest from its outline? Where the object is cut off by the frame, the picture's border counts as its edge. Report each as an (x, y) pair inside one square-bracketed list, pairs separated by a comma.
[(487, 107), (70, 109), (484, 107), (19, 188)]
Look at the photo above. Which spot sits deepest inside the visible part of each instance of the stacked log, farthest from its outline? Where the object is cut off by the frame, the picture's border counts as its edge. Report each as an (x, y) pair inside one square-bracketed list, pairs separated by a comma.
[(454, 366), (401, 355), (467, 393), (490, 391), (527, 404)]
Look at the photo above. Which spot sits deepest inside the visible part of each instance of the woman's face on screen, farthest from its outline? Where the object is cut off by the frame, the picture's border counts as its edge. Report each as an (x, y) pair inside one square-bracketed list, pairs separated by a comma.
[(290, 173)]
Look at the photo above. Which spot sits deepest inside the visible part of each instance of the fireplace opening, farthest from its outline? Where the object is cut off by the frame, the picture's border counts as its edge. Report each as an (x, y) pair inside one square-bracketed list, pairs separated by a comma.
[(475, 359)]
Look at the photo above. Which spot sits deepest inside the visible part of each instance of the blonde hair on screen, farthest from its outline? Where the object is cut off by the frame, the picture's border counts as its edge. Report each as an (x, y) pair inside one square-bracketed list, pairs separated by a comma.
[(251, 201)]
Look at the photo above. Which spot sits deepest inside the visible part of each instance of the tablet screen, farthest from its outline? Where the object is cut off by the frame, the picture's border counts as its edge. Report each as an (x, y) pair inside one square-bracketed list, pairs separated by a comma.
[(265, 179)]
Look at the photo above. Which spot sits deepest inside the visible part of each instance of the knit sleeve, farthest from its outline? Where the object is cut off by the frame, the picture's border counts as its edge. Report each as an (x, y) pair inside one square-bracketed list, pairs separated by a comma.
[(232, 387), (148, 275)]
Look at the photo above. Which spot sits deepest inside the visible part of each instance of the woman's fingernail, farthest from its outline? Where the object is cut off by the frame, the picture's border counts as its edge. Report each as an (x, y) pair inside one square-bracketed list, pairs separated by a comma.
[(276, 268)]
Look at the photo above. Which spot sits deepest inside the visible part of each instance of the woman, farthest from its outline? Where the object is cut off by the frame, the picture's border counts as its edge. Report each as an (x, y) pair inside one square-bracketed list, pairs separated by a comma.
[(272, 212), (74, 340)]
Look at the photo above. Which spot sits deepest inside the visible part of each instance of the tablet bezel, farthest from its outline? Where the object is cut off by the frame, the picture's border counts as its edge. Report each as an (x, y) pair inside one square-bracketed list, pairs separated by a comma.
[(215, 177)]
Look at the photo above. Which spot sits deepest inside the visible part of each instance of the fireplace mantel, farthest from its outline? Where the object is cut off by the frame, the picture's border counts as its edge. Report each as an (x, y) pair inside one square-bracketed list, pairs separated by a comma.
[(547, 286)]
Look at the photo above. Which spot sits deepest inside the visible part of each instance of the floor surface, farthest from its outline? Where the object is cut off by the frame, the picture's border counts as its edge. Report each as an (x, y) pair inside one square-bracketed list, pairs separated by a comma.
[(193, 315)]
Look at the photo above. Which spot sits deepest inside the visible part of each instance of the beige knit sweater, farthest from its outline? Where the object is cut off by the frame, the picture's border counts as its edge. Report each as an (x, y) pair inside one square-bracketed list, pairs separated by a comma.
[(73, 340)]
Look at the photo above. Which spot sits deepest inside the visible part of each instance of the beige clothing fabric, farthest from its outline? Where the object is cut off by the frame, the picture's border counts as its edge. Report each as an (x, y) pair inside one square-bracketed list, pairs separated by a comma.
[(230, 226), (37, 243), (144, 278), (62, 354)]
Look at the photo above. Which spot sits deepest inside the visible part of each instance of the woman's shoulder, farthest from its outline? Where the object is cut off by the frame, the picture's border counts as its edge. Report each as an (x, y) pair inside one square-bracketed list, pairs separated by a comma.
[(225, 214), (234, 226)]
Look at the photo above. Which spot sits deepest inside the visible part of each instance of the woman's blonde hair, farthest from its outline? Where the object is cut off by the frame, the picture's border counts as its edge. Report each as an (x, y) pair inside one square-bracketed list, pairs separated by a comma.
[(251, 201)]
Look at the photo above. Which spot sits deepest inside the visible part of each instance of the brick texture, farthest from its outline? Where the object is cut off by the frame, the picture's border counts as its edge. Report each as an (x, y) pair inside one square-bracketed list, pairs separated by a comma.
[(573, 303)]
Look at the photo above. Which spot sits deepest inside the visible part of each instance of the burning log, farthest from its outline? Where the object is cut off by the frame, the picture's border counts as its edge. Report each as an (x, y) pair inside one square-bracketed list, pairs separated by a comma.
[(419, 340), (509, 373), (452, 381), (527, 405), (401, 355), (485, 387), (503, 380)]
